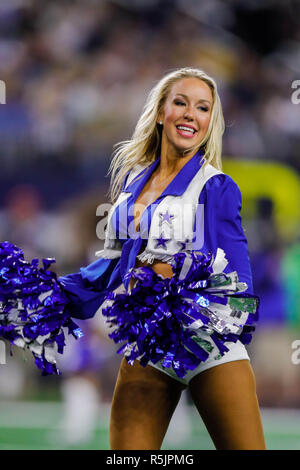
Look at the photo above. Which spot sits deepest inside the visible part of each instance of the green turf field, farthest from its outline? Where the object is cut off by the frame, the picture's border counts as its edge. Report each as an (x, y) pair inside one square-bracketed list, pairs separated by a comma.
[(35, 425)]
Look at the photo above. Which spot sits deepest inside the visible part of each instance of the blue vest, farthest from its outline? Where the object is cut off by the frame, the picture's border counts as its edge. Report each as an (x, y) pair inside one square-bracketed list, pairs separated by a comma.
[(175, 221), (199, 210)]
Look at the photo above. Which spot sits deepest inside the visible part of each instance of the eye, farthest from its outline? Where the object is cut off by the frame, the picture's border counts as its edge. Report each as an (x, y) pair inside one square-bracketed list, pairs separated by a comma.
[(178, 102), (203, 108)]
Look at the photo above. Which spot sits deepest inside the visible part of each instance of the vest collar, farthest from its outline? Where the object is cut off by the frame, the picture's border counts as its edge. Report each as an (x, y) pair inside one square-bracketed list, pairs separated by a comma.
[(177, 186)]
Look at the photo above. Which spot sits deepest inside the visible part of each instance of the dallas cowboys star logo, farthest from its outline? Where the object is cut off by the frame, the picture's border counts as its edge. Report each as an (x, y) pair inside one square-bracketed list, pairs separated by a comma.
[(161, 241), (186, 241), (166, 217)]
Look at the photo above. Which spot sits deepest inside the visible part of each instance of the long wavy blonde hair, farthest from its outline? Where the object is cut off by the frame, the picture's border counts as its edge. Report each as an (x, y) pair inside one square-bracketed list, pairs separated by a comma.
[(144, 145)]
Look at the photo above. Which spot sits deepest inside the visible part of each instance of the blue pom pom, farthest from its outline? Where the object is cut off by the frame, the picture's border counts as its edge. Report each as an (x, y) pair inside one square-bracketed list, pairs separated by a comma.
[(33, 307), (163, 319)]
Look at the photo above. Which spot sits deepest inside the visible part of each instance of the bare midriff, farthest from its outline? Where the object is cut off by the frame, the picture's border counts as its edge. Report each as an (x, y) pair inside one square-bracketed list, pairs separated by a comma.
[(158, 266)]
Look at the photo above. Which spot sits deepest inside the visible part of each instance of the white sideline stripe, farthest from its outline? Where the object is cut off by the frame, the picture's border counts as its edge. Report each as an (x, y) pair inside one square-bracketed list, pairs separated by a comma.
[(281, 420), (49, 414), (4, 446), (39, 414)]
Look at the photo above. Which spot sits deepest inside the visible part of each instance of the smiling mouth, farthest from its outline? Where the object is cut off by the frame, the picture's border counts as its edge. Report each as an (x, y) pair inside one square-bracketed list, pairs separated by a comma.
[(186, 131)]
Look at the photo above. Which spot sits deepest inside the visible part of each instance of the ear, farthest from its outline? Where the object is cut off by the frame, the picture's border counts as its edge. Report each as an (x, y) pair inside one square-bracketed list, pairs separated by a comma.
[(160, 118)]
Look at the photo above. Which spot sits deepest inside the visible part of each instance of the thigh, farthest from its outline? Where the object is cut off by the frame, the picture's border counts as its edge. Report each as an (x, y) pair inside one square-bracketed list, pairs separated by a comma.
[(225, 396), (144, 400)]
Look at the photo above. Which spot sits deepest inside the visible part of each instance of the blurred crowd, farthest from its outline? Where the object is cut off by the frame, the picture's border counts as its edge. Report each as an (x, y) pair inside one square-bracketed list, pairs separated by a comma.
[(77, 75)]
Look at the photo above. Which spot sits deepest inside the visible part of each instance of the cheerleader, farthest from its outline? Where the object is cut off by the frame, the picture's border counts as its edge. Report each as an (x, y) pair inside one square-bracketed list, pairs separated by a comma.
[(173, 280)]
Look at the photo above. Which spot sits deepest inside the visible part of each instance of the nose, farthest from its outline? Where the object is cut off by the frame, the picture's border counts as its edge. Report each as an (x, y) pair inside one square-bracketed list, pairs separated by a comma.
[(189, 114)]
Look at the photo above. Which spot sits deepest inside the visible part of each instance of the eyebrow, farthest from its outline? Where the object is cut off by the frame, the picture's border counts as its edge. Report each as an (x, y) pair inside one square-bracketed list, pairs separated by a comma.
[(186, 97)]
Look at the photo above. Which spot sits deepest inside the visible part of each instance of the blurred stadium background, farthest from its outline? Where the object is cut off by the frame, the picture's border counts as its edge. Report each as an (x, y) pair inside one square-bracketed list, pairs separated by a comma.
[(76, 75)]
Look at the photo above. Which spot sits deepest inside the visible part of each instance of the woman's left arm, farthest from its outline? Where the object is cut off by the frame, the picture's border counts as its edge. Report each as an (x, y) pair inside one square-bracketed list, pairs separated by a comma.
[(87, 289), (230, 234)]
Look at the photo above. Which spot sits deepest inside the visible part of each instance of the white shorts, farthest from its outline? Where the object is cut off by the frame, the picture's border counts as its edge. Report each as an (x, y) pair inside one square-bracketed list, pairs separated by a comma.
[(237, 351)]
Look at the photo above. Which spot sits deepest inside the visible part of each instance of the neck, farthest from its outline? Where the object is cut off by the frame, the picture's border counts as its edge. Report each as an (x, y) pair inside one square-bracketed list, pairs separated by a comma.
[(171, 162)]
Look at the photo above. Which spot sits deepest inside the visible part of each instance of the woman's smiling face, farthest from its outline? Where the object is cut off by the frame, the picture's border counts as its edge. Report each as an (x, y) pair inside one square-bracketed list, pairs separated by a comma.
[(186, 115)]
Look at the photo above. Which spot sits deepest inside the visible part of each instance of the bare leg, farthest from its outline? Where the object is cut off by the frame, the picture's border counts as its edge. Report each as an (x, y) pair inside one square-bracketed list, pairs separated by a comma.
[(225, 397), (143, 403)]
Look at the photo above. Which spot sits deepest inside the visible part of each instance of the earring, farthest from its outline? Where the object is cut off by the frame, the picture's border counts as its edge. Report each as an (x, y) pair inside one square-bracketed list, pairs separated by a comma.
[(160, 122)]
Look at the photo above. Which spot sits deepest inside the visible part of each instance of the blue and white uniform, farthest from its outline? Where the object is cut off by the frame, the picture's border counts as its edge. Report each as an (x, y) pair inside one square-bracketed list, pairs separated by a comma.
[(220, 199)]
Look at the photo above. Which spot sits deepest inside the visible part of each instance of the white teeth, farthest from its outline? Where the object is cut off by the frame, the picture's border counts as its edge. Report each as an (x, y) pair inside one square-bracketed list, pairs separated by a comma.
[(186, 129)]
